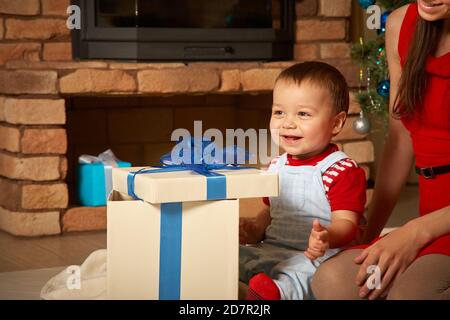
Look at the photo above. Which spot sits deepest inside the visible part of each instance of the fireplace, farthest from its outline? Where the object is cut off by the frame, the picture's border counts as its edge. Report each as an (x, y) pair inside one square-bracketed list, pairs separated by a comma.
[(185, 30), (54, 107)]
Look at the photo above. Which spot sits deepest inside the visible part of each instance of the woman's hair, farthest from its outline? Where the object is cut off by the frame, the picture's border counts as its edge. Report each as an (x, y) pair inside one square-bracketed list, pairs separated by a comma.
[(413, 81), (322, 75)]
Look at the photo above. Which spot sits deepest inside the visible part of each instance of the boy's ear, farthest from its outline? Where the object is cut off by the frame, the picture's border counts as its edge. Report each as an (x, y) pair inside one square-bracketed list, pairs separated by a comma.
[(339, 121)]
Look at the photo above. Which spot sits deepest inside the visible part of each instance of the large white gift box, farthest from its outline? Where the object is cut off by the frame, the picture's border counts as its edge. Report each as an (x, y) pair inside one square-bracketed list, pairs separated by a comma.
[(181, 240)]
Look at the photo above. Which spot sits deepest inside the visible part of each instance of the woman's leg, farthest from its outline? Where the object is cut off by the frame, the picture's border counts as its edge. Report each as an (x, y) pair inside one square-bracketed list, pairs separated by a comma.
[(428, 277), (335, 278)]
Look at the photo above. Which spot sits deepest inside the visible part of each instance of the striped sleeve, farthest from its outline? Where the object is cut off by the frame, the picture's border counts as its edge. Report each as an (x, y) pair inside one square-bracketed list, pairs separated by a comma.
[(345, 186)]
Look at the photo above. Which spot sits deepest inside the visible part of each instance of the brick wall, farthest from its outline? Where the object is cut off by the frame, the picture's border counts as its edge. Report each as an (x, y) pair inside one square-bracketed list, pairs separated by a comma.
[(34, 30), (53, 109)]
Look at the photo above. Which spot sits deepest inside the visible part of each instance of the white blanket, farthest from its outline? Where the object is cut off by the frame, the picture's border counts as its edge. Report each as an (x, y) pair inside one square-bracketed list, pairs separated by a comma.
[(85, 282)]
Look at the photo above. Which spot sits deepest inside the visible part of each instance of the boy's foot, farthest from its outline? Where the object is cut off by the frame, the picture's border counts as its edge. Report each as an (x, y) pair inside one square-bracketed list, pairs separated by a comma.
[(262, 287)]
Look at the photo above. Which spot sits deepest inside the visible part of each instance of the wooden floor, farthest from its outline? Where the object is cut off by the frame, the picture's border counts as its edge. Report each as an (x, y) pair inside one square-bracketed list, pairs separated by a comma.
[(35, 253), (26, 264), (18, 254), (25, 285)]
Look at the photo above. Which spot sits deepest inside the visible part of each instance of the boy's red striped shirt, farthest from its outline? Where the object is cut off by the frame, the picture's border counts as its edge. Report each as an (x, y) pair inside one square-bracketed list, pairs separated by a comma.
[(344, 182)]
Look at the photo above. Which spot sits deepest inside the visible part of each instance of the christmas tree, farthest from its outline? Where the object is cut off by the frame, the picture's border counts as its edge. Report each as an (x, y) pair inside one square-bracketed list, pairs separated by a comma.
[(374, 75)]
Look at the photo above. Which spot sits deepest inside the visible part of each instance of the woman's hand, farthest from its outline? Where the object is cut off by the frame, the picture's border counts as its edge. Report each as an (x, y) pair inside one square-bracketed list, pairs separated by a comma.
[(250, 231), (392, 255)]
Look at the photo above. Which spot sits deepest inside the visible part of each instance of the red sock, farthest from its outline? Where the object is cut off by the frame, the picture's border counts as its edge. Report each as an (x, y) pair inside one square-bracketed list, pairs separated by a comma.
[(261, 287)]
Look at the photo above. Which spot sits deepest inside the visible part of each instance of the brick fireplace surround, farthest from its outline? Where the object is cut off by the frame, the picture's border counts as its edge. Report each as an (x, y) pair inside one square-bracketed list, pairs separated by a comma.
[(45, 98)]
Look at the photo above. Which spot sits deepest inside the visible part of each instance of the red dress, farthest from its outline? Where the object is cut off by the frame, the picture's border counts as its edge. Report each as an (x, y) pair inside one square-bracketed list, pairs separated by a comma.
[(430, 131)]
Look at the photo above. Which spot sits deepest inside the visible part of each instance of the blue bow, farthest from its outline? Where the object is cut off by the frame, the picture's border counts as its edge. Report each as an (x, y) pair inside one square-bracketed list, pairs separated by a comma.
[(203, 157), (205, 153)]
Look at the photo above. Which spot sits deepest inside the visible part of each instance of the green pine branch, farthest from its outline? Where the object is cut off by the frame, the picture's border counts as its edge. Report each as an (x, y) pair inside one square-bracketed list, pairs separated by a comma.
[(371, 56)]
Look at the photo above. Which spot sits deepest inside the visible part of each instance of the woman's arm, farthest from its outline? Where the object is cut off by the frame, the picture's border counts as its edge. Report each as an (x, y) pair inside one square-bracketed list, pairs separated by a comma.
[(397, 156), (396, 251), (432, 225)]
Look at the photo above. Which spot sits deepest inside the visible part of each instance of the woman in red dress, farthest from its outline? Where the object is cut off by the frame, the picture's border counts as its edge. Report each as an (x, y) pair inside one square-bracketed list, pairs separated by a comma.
[(414, 260)]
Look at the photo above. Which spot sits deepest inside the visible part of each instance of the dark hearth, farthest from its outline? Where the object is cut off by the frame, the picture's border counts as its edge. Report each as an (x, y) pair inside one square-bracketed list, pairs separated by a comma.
[(185, 30)]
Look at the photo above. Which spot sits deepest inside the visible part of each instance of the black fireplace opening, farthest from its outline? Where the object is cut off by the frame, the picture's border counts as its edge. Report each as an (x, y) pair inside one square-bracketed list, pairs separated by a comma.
[(185, 30)]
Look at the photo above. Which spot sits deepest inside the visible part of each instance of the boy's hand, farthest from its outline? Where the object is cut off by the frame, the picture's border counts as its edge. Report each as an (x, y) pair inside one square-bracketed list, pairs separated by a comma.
[(249, 231), (318, 241)]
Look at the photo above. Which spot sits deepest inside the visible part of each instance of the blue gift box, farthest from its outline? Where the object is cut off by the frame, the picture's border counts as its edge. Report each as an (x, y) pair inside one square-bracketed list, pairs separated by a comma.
[(92, 183)]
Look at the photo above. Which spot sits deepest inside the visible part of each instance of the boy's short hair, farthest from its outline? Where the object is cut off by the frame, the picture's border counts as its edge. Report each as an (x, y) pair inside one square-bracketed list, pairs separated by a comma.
[(323, 75)]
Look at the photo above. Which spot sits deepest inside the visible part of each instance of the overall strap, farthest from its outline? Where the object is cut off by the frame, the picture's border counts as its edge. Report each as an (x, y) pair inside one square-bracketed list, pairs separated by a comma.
[(281, 161), (330, 160)]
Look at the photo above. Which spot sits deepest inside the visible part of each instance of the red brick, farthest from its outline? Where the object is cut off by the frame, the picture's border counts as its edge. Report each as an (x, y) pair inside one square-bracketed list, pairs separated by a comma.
[(84, 219), (99, 81), (20, 7), (211, 65), (230, 81), (350, 70), (9, 138), (2, 108), (10, 195), (58, 51), (43, 29), (306, 8), (305, 52), (314, 29), (30, 224), (45, 196), (2, 29), (19, 51), (335, 8), (143, 65), (259, 79), (178, 80), (277, 64), (35, 111), (44, 141), (28, 82), (55, 7), (63, 167), (57, 65), (36, 168), (335, 50)]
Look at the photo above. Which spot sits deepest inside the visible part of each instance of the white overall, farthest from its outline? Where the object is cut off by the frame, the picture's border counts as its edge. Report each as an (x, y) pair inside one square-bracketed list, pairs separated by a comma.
[(302, 199)]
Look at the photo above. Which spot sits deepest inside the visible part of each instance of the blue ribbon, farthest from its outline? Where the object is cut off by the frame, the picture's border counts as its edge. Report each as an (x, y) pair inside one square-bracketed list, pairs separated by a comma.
[(171, 215), (215, 182), (170, 251), (216, 188)]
